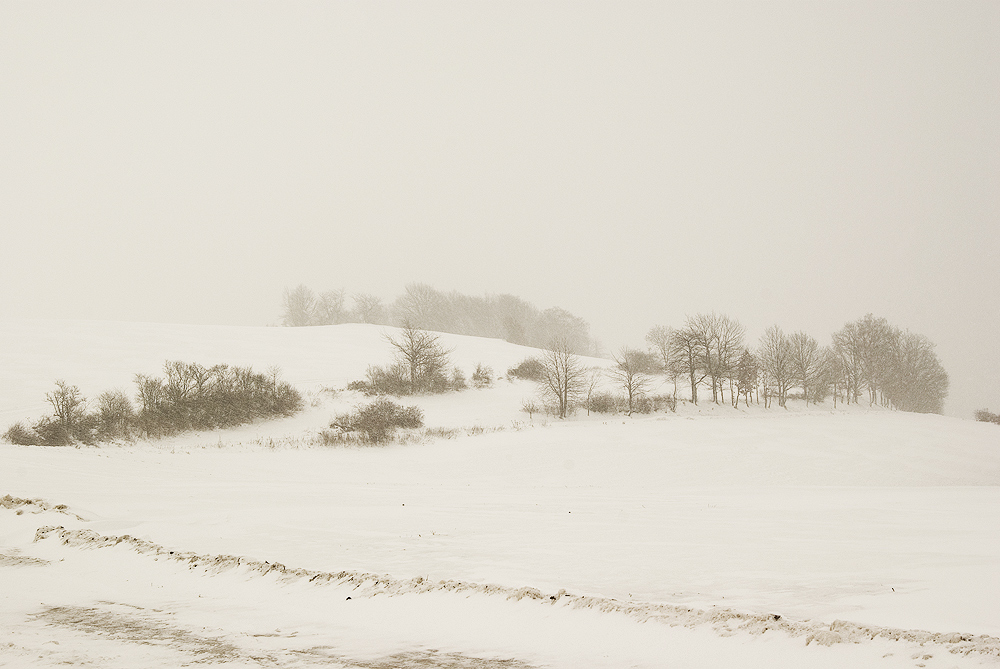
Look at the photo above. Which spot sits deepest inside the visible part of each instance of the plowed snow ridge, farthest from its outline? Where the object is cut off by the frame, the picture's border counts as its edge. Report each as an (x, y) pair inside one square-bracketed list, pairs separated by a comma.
[(722, 620)]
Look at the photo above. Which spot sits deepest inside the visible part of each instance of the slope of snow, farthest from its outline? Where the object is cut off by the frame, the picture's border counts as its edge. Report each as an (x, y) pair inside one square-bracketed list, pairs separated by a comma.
[(881, 519)]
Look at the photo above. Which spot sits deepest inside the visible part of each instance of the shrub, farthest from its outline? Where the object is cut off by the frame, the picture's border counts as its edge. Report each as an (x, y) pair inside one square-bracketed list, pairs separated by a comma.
[(985, 416), (602, 403), (69, 419), (361, 387), (115, 415), (642, 404), (391, 380), (395, 380), (664, 403), (379, 420), (426, 362), (529, 369), (191, 397), (483, 376), (458, 381), (22, 435)]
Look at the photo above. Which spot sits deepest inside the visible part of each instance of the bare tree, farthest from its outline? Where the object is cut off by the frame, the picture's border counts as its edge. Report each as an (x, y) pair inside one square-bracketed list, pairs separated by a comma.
[(68, 409), (116, 414), (832, 375), (879, 341), (631, 373), (717, 341), (868, 346), (659, 338), (563, 376), (747, 375), (727, 348), (686, 351), (848, 362), (369, 309), (917, 381), (807, 361), (515, 318), (298, 306), (556, 323), (592, 379), (421, 306), (775, 356), (330, 308), (424, 357)]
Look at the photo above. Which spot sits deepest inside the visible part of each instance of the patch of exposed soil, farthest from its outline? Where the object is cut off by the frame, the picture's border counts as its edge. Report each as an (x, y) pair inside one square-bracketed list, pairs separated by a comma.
[(13, 559), (433, 659), (140, 627)]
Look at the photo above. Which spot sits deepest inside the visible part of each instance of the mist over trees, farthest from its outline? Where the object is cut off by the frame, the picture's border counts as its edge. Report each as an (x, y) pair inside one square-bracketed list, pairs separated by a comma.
[(496, 316), (867, 359)]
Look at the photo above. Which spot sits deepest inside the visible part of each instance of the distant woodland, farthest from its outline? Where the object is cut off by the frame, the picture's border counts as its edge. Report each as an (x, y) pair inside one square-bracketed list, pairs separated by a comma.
[(868, 359), (497, 316)]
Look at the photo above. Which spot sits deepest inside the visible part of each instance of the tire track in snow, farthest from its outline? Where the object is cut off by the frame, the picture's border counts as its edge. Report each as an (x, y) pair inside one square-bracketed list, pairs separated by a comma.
[(725, 622)]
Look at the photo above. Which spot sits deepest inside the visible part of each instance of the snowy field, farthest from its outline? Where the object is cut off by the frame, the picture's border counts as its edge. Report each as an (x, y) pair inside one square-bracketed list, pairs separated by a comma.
[(712, 537)]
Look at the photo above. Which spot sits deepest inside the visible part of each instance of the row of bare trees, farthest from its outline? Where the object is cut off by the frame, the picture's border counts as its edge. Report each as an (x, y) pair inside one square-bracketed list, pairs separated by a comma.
[(497, 316), (868, 357), (566, 382)]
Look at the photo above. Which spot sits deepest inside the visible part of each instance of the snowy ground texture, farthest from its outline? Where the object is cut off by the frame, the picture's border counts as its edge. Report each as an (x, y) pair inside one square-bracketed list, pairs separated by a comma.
[(711, 537)]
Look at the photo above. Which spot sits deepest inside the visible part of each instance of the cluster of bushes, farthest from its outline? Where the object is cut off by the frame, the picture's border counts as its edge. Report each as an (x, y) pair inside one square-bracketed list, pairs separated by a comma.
[(606, 403), (986, 416), (420, 367), (395, 380), (374, 423), (188, 397), (482, 377), (609, 403)]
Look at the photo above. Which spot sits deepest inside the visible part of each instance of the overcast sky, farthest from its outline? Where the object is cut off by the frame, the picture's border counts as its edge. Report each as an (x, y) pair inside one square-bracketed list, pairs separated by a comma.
[(798, 164)]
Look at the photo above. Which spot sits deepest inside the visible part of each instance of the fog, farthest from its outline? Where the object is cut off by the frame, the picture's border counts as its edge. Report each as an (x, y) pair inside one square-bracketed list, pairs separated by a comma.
[(797, 164)]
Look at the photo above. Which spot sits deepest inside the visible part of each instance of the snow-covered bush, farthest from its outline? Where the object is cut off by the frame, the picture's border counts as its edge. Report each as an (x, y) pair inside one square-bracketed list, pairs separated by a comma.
[(483, 376), (22, 435), (664, 403), (115, 415), (375, 423), (602, 403), (529, 369), (390, 380), (985, 416), (458, 381), (189, 397), (531, 408), (193, 397)]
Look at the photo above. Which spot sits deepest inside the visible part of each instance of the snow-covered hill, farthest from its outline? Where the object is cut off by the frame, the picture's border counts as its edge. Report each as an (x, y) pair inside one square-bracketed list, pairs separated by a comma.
[(710, 537)]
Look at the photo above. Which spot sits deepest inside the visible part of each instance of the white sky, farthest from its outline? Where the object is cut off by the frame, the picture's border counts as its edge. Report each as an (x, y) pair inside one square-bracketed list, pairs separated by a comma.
[(791, 163)]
